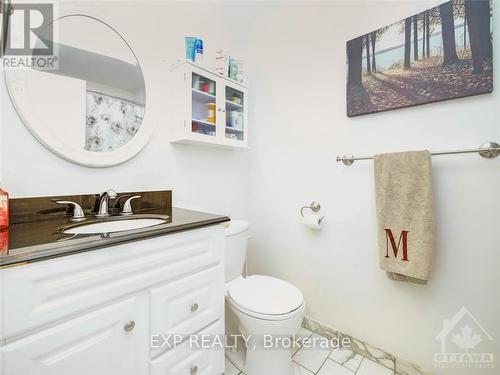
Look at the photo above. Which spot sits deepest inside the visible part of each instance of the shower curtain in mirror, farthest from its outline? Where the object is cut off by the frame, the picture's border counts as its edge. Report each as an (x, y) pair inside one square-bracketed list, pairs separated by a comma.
[(111, 122)]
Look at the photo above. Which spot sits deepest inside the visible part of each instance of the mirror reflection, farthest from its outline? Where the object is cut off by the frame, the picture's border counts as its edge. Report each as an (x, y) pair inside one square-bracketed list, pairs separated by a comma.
[(94, 99)]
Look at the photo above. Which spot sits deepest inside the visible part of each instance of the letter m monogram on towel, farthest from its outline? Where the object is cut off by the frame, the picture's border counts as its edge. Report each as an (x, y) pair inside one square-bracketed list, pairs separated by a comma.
[(403, 238)]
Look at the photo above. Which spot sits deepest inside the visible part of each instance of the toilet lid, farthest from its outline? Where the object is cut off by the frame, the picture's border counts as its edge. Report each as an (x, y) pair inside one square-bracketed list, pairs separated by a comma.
[(266, 295)]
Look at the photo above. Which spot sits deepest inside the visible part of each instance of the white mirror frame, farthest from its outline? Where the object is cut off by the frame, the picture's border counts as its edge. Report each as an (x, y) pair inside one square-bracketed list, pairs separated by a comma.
[(16, 82)]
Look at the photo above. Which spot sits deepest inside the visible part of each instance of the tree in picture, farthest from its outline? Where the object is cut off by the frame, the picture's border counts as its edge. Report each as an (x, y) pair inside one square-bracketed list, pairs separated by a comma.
[(442, 53)]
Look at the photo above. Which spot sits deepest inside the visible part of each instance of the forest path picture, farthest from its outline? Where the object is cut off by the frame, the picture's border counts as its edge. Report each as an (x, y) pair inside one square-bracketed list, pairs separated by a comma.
[(440, 54)]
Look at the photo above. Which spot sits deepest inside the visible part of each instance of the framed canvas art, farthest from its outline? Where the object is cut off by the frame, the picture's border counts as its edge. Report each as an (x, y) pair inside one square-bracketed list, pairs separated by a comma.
[(443, 53)]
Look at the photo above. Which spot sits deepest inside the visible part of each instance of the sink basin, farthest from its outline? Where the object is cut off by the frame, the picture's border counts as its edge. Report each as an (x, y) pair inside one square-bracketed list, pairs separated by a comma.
[(113, 225)]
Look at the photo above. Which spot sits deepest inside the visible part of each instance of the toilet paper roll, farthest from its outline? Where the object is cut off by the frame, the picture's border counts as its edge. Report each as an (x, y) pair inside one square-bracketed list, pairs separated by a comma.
[(313, 221)]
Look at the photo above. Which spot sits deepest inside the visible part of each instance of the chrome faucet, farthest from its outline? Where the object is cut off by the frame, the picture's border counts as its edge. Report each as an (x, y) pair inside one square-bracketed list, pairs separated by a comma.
[(102, 203)]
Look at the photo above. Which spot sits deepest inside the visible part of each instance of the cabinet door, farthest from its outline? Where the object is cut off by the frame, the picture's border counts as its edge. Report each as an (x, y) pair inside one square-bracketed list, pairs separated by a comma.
[(235, 110), (110, 341), (203, 107)]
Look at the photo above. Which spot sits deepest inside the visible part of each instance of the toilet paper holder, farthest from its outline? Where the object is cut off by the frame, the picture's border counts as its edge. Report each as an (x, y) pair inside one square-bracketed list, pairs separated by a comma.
[(314, 207)]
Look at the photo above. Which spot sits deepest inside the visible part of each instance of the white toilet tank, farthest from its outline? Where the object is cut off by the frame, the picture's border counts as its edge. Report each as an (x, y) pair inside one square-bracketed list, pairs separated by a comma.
[(236, 233)]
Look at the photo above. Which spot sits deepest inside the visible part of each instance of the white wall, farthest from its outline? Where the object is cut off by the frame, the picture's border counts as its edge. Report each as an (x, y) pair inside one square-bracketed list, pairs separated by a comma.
[(203, 178), (297, 74)]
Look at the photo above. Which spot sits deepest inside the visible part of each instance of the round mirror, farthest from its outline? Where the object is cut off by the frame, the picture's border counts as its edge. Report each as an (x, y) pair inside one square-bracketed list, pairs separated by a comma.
[(89, 107)]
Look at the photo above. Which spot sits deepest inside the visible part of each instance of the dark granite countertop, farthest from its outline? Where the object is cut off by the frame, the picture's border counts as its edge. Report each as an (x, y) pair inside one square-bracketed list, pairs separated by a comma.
[(36, 240)]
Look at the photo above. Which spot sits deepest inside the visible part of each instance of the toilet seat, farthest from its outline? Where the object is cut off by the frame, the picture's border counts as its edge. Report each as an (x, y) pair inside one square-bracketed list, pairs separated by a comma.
[(265, 297)]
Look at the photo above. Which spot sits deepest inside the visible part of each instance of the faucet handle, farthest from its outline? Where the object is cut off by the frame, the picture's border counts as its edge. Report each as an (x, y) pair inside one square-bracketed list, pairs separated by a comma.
[(118, 202), (127, 207), (78, 213)]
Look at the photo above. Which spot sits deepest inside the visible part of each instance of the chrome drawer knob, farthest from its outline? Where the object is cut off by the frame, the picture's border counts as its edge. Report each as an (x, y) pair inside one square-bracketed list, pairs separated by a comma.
[(194, 307), (129, 326), (194, 370)]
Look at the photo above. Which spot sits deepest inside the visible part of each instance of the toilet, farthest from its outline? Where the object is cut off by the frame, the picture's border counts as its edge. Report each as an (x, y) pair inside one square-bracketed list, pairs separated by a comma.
[(267, 311)]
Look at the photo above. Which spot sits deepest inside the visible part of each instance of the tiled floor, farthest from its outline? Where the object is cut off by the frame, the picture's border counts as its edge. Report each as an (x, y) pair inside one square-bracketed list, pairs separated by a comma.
[(326, 361)]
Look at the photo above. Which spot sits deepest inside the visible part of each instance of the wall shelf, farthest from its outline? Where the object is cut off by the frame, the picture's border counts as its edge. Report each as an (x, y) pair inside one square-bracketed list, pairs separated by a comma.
[(204, 94), (230, 104), (203, 123), (231, 130)]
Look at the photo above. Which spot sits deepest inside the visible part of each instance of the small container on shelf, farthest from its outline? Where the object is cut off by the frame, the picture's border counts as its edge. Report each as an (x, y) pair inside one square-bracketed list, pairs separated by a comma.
[(196, 82), (203, 84), (190, 47), (236, 99), (211, 113), (198, 54), (221, 63), (236, 120), (239, 70), (233, 68)]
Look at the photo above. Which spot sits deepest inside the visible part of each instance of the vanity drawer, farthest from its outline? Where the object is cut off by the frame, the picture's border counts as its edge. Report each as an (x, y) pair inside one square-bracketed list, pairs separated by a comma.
[(185, 306), (46, 291), (186, 359)]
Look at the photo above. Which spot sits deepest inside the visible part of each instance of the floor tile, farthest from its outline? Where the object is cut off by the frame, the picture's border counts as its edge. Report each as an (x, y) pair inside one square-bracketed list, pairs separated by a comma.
[(299, 336), (299, 370), (312, 356), (347, 358), (303, 332), (333, 368), (230, 369), (371, 368), (296, 347), (321, 360)]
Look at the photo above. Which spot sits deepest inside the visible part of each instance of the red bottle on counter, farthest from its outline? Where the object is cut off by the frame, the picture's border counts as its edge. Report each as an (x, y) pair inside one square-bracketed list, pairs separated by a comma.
[(4, 209), (4, 241)]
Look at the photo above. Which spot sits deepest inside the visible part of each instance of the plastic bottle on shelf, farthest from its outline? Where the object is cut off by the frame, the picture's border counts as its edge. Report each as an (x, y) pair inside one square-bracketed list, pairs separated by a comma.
[(221, 63), (233, 68), (211, 112), (198, 51), (239, 70)]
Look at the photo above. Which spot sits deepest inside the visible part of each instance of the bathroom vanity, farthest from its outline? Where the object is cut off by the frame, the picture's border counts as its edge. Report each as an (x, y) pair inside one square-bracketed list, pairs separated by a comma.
[(90, 304), (86, 281)]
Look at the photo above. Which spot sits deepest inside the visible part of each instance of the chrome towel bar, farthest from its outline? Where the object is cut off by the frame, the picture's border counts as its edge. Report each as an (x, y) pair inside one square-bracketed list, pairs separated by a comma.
[(488, 150)]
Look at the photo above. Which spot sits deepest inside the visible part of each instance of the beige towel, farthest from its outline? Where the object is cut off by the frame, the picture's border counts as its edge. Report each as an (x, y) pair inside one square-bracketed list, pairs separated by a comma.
[(405, 219)]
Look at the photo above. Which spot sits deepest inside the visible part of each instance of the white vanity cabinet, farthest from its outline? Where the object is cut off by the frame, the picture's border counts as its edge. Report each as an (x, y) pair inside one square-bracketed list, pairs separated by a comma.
[(110, 340), (207, 108), (95, 313)]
